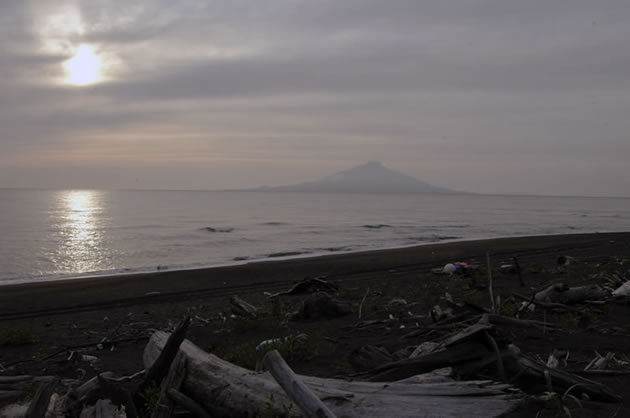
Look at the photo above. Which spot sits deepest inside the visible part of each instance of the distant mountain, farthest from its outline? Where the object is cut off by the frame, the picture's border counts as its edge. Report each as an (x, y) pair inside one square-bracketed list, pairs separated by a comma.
[(371, 177)]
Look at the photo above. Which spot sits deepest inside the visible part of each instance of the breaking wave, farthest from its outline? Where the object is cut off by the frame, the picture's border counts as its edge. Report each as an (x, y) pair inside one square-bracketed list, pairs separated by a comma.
[(217, 229)]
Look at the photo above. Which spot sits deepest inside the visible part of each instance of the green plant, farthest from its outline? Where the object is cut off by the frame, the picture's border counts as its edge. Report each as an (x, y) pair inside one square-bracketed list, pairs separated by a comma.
[(151, 399), (16, 336), (558, 404), (291, 348)]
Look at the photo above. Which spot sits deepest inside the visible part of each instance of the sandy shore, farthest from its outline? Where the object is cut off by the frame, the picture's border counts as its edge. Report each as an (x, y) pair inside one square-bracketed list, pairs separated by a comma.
[(54, 318), (96, 293)]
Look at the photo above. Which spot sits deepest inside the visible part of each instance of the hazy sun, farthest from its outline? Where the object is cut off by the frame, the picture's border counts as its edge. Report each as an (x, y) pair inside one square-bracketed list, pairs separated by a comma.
[(84, 67)]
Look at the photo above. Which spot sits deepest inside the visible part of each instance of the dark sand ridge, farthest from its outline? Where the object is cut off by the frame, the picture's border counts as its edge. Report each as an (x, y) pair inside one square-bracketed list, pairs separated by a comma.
[(97, 293)]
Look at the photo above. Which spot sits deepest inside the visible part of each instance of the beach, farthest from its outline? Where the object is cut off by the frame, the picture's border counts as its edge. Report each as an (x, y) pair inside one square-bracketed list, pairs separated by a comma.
[(60, 316)]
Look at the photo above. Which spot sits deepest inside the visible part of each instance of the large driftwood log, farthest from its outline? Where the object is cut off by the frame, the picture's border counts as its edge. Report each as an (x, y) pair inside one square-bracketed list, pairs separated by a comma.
[(299, 393), (213, 382), (561, 293)]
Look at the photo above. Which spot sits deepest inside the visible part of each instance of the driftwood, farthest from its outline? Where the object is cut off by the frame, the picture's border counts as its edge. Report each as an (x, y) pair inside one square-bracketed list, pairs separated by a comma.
[(118, 395), (240, 307), (564, 380), (187, 403), (308, 285), (547, 305), (161, 366), (39, 403), (299, 393), (104, 408), (213, 382), (173, 380), (561, 293)]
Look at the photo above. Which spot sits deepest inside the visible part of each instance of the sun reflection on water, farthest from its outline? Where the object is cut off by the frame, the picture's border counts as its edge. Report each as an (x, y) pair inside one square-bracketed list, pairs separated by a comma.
[(82, 249)]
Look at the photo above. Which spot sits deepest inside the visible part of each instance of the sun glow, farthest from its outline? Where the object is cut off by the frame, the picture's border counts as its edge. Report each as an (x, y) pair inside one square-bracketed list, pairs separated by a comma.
[(84, 67)]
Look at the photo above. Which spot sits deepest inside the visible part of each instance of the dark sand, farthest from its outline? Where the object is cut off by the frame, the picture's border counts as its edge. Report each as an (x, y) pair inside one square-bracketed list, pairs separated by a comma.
[(72, 313)]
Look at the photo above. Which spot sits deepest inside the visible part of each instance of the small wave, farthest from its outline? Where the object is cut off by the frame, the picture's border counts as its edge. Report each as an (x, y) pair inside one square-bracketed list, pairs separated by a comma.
[(376, 226), (275, 223), (286, 254), (242, 258), (217, 229), (433, 238)]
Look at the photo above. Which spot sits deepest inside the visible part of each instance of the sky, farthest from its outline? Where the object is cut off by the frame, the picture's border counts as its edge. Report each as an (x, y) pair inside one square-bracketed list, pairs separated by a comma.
[(486, 96)]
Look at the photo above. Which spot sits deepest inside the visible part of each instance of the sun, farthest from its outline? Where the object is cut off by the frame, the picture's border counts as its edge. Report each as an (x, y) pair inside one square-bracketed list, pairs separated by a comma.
[(84, 67)]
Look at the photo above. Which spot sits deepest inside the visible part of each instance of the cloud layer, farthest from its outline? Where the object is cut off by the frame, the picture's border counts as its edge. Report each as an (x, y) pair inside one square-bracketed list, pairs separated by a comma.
[(486, 96)]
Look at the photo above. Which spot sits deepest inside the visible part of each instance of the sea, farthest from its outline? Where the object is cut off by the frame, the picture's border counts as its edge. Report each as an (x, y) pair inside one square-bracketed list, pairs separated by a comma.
[(58, 234)]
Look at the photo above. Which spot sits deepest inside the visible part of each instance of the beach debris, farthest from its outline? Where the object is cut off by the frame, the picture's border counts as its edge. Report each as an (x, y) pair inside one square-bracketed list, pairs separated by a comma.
[(308, 285), (321, 305), (294, 387), (263, 345), (623, 290), (507, 268), (562, 293), (234, 391), (425, 348), (367, 292), (565, 260), (556, 357), (242, 308), (438, 314), (457, 267), (600, 362)]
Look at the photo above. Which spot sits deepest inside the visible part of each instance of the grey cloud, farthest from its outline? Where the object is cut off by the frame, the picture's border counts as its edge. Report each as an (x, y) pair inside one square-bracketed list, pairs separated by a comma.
[(317, 81)]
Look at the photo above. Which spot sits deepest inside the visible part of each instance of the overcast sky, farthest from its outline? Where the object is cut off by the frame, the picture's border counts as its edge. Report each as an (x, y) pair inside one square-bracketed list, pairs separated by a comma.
[(503, 96)]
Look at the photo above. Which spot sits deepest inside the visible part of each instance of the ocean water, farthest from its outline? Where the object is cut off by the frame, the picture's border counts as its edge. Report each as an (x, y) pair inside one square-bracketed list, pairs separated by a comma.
[(48, 234)]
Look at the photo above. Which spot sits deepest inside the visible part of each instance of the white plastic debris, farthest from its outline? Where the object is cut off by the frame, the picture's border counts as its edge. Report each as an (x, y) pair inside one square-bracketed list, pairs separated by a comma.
[(623, 290), (531, 307), (449, 268)]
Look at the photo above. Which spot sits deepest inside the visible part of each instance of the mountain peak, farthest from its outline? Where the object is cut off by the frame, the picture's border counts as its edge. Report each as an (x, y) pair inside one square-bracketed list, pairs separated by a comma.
[(370, 177)]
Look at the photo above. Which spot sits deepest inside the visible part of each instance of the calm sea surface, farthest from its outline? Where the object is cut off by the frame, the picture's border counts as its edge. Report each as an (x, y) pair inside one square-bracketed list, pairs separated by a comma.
[(65, 233)]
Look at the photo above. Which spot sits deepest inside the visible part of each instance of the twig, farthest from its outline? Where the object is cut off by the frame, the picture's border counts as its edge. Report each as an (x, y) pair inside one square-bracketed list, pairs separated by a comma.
[(362, 301), (490, 284), (495, 348), (127, 378), (517, 267)]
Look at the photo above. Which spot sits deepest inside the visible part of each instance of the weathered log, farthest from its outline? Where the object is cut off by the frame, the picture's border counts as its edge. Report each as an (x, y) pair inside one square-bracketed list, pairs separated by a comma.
[(240, 307), (39, 403), (173, 380), (451, 357), (299, 393), (564, 380), (187, 403), (161, 366), (548, 305), (213, 382), (561, 293)]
